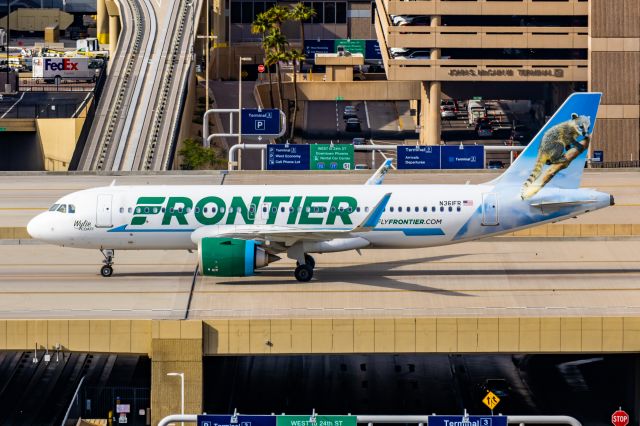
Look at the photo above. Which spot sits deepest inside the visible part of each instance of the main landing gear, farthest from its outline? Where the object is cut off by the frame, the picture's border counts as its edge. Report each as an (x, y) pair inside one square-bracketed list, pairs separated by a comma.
[(304, 272), (107, 269)]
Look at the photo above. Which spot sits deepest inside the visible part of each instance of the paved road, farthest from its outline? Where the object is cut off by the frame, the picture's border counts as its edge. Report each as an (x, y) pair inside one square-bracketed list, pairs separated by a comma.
[(491, 278)]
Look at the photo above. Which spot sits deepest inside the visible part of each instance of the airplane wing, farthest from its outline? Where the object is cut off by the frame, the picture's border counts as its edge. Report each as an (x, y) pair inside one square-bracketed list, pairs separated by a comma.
[(288, 234), (378, 177)]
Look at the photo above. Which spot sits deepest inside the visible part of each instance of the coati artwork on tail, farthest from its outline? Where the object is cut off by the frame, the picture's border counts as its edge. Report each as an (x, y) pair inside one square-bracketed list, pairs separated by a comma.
[(560, 145)]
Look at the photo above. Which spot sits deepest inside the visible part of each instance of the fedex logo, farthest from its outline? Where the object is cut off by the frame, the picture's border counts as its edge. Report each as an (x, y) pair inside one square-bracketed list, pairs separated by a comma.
[(65, 65)]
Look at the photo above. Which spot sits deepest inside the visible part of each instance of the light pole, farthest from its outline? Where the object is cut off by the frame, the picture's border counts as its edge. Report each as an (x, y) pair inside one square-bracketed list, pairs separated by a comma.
[(241, 60), (181, 375)]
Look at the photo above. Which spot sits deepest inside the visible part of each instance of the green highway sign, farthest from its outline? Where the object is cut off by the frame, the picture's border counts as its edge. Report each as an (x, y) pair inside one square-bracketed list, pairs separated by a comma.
[(3, 129), (353, 46), (319, 421), (332, 157), (339, 98)]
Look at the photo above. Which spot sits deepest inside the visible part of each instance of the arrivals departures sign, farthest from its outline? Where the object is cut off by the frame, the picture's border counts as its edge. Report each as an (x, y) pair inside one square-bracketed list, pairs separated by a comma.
[(468, 421)]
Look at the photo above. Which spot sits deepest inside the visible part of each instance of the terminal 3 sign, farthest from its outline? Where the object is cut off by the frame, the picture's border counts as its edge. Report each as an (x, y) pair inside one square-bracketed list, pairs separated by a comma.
[(507, 72)]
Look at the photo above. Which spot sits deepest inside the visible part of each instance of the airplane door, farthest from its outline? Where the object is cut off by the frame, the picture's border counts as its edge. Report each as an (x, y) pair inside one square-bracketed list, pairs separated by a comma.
[(489, 209), (103, 211)]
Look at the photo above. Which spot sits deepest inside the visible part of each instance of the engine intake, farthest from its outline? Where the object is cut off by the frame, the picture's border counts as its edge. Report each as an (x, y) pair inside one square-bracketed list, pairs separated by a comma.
[(230, 257)]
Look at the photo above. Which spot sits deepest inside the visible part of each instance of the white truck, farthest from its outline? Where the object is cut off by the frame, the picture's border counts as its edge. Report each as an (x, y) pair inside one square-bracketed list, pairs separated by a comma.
[(58, 69)]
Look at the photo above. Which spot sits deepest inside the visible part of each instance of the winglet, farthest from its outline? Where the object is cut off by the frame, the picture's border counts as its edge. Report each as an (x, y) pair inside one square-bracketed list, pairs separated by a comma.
[(378, 176), (372, 219)]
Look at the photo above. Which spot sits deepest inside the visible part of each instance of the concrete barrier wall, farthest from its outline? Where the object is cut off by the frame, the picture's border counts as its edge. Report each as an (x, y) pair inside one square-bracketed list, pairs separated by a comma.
[(424, 335)]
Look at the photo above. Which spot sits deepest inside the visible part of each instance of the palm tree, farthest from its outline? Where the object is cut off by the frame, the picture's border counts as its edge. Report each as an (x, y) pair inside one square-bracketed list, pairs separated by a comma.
[(301, 13), (274, 45), (296, 56), (262, 25), (277, 15)]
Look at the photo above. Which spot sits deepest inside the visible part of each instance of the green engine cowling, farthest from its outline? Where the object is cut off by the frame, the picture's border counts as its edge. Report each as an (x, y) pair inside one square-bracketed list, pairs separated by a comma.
[(230, 257)]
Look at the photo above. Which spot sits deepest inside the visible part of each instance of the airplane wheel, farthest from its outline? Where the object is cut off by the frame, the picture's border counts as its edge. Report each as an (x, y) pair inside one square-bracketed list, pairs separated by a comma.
[(106, 271), (304, 273), (309, 260)]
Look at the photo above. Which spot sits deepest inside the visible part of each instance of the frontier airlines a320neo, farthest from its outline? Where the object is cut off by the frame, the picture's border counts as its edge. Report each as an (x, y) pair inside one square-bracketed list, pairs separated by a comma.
[(238, 229)]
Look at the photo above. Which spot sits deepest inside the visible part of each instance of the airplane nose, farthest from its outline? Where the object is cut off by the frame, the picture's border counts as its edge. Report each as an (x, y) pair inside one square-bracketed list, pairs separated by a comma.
[(35, 227)]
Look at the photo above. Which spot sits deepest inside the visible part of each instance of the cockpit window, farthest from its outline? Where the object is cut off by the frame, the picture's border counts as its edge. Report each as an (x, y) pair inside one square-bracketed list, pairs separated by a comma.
[(54, 207), (72, 208), (62, 208)]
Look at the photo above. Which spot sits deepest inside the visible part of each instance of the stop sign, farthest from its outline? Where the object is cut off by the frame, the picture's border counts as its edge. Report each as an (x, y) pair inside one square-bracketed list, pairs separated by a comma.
[(260, 68), (620, 418)]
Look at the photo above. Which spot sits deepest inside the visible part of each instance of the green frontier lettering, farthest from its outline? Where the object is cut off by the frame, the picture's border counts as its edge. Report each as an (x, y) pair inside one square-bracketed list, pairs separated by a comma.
[(307, 208), (211, 210), (144, 207), (200, 214), (237, 203), (339, 210), (177, 207), (275, 206), (293, 215)]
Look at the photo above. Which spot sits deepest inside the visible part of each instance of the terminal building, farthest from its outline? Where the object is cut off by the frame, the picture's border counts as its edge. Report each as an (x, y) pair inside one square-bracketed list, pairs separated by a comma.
[(516, 49)]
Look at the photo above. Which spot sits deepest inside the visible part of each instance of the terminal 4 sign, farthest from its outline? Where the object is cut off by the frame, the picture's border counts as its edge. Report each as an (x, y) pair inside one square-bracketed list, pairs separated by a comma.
[(240, 420), (260, 122), (288, 157), (468, 421)]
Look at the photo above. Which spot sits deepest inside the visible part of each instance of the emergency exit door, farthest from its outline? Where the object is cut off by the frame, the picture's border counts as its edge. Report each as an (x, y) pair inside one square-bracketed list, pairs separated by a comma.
[(489, 209), (103, 211)]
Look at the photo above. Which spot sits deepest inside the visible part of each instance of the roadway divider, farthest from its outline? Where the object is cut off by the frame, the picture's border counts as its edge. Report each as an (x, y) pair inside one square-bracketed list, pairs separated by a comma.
[(557, 230)]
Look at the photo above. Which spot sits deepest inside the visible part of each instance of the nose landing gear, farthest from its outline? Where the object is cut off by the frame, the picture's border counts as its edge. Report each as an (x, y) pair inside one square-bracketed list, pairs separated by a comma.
[(107, 269)]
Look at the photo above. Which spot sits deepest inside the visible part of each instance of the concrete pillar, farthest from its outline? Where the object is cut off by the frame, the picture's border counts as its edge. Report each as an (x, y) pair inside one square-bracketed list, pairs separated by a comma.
[(176, 347), (424, 108), (435, 90), (114, 34), (102, 23)]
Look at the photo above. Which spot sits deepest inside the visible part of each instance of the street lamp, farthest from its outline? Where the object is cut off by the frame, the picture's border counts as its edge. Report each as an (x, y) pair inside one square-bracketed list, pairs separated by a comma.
[(241, 60), (181, 375)]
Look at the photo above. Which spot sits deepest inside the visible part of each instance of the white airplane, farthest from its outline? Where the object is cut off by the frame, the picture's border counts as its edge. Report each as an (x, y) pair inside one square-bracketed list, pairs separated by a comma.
[(238, 229)]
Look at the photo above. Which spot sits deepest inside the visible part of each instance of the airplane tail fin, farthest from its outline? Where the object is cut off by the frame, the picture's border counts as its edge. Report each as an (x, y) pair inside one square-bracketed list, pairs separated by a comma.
[(556, 155)]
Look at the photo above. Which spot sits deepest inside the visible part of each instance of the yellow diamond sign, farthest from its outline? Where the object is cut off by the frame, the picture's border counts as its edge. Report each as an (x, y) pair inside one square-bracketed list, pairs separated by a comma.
[(491, 400)]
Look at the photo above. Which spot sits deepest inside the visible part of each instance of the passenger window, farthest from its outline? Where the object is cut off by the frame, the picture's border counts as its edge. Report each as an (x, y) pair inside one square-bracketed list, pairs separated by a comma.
[(458, 208), (425, 209), (62, 208), (290, 209), (129, 210), (264, 209), (400, 209), (252, 208), (155, 210), (197, 210), (417, 209), (171, 210), (221, 209), (282, 209), (206, 209), (163, 210), (358, 209), (366, 209), (179, 209), (441, 209), (450, 208), (273, 210), (121, 210), (72, 208), (230, 209), (433, 209), (146, 209), (391, 209)]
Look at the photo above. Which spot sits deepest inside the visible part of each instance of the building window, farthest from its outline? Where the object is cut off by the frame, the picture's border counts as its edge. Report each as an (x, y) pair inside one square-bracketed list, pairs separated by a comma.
[(341, 13)]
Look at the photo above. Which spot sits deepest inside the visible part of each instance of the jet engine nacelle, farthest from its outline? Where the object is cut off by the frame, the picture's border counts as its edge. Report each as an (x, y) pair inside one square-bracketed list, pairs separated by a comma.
[(229, 257)]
